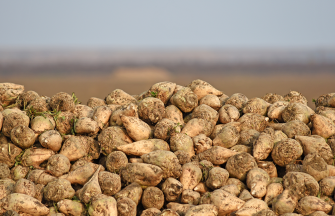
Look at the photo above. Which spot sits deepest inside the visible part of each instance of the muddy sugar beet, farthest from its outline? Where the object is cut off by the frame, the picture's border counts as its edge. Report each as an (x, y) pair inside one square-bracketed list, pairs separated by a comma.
[(171, 150)]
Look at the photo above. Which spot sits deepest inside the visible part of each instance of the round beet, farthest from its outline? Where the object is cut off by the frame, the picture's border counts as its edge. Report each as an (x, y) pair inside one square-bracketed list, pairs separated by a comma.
[(115, 161), (25, 186), (40, 124), (239, 165), (152, 197), (272, 98), (12, 120), (51, 139), (39, 104), (238, 100), (110, 183), (23, 136), (26, 97), (62, 101), (126, 207), (286, 151), (58, 165), (151, 110), (294, 96), (58, 189)]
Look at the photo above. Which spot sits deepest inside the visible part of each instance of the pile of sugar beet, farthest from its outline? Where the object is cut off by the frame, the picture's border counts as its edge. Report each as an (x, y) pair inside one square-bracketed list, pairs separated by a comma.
[(170, 151)]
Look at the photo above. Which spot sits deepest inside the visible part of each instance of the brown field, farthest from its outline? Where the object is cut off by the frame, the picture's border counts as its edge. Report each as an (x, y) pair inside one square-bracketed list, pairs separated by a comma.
[(86, 86)]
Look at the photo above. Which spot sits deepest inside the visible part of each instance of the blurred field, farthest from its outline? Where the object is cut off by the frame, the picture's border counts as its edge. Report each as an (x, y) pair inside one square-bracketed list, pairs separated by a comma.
[(135, 81)]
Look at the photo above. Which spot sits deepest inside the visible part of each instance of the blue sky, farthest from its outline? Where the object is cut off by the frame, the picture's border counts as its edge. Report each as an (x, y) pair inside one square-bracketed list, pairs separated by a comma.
[(155, 24)]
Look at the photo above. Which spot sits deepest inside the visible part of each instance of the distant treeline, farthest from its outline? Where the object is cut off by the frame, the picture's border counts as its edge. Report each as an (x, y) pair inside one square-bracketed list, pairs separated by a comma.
[(60, 68), (106, 61)]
